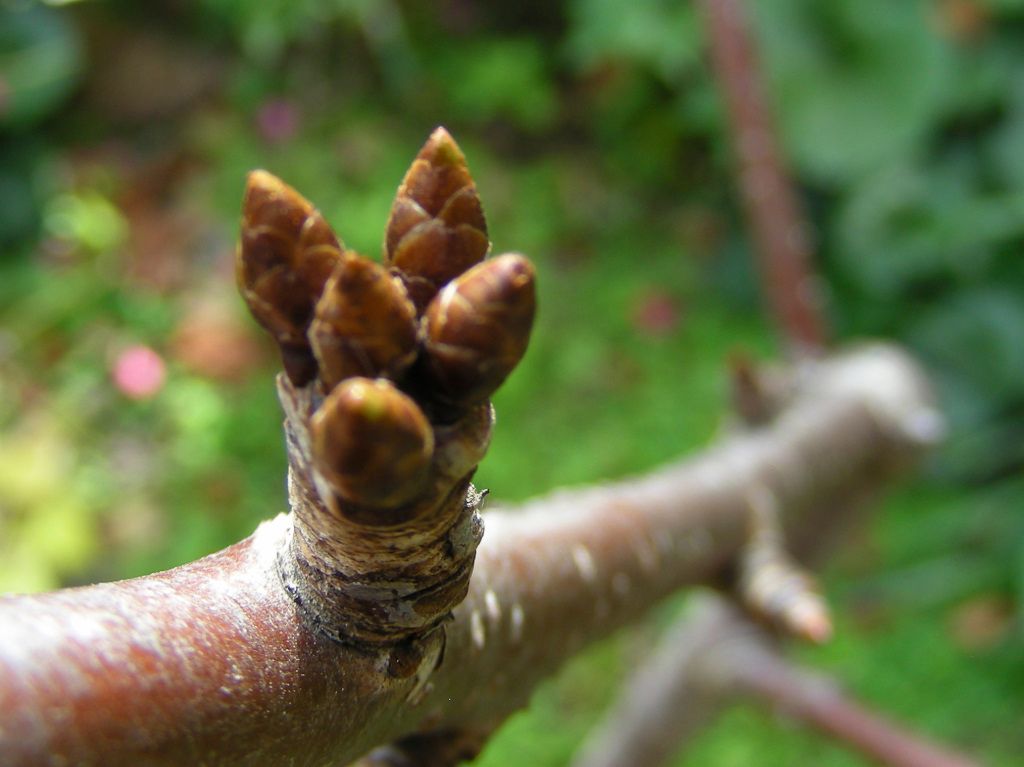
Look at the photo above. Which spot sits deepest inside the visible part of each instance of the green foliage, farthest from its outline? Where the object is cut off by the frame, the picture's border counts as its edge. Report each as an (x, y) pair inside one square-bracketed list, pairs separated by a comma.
[(658, 35), (858, 83), (597, 138), (495, 80), (40, 61), (265, 31)]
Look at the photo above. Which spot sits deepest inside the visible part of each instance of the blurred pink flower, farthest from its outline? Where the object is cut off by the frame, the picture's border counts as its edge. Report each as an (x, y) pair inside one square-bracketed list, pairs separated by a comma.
[(277, 121), (139, 372)]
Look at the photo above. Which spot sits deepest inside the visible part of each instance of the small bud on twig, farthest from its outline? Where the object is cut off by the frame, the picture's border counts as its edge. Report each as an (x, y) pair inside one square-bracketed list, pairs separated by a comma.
[(478, 327), (365, 324), (371, 443), (758, 392), (437, 228), (385, 518), (774, 586), (782, 592), (286, 255), (749, 399)]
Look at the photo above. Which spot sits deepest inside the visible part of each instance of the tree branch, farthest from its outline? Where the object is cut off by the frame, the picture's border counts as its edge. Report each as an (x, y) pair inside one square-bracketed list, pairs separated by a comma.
[(214, 662), (764, 675), (773, 211), (713, 657), (667, 699)]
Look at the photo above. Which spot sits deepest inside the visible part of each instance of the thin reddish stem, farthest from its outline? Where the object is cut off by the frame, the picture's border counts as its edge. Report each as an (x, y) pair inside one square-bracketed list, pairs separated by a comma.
[(811, 699), (771, 205), (712, 657)]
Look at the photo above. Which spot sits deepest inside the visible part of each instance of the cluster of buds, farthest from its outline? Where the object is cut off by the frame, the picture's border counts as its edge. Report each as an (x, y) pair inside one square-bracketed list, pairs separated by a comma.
[(389, 366)]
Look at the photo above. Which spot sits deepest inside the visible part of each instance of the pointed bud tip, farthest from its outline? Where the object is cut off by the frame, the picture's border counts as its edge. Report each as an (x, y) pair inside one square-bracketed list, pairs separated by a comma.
[(517, 269), (261, 177), (366, 398), (441, 149), (262, 183), (809, 620), (270, 201)]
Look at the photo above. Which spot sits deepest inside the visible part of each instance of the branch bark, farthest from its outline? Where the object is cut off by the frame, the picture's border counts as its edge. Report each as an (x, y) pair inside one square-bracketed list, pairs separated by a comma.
[(213, 662), (764, 676), (714, 657), (667, 700), (773, 210)]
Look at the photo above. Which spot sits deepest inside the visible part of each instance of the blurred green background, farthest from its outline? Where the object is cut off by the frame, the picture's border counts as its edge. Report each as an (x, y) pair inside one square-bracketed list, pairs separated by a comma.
[(138, 422)]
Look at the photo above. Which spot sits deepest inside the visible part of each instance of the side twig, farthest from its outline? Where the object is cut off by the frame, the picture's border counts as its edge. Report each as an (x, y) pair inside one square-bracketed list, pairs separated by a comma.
[(763, 675), (713, 657), (773, 211)]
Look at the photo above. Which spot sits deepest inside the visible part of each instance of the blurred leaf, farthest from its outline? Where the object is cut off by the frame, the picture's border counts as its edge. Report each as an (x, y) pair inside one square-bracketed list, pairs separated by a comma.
[(979, 334), (1004, 149), (267, 30), (933, 583), (661, 35), (61, 532), (40, 59), (35, 462), (21, 192), (975, 342), (857, 82), (86, 220), (1007, 6), (199, 413), (46, 528), (499, 79), (905, 224), (982, 79)]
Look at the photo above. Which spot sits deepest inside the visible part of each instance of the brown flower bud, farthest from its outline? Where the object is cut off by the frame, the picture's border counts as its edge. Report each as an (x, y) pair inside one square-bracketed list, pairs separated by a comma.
[(364, 325), (437, 228), (478, 326), (286, 255), (372, 443)]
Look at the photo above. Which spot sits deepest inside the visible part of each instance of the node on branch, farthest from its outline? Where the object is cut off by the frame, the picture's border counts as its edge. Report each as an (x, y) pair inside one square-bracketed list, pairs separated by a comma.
[(389, 369)]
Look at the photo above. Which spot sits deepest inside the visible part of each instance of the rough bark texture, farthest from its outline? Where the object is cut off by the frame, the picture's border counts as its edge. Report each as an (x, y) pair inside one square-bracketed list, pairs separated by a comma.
[(377, 576), (214, 663)]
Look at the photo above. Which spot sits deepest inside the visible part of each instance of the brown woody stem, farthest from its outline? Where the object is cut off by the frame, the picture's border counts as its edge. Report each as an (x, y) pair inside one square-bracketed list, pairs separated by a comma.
[(766, 677), (213, 662), (713, 656), (773, 210)]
